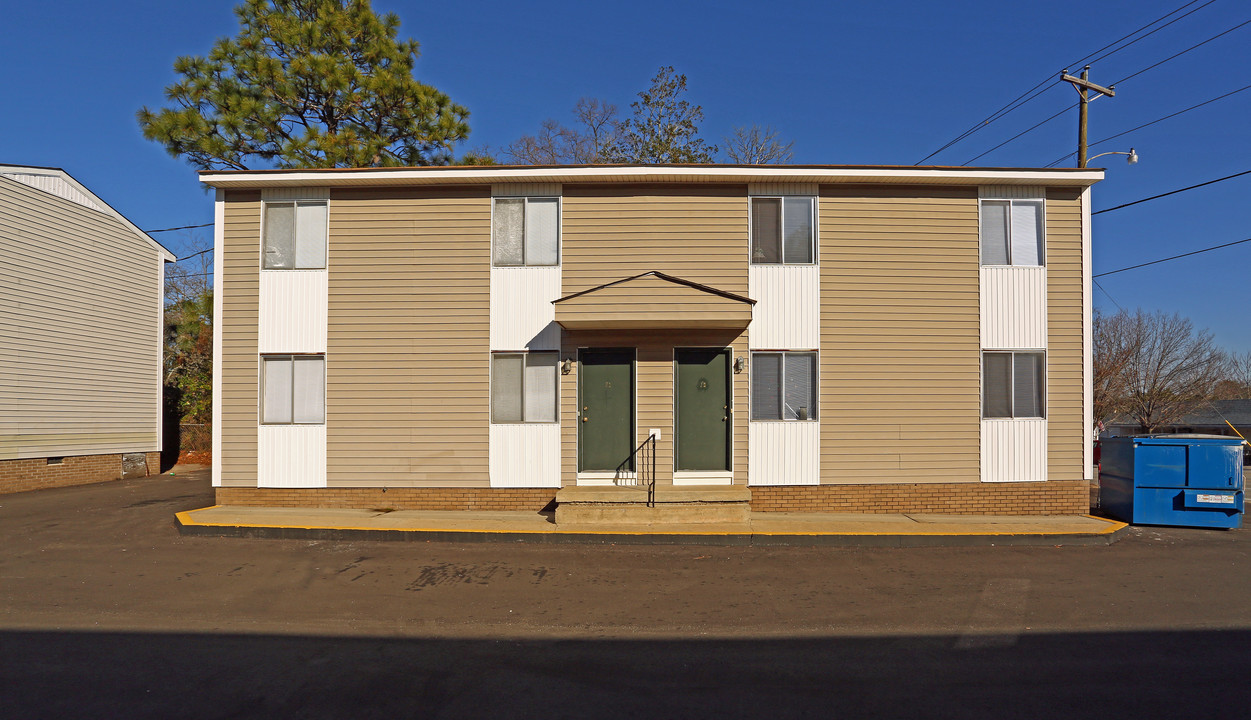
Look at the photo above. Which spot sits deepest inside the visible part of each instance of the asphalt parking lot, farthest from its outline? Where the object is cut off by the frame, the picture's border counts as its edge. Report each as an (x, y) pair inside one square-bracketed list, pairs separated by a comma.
[(106, 611)]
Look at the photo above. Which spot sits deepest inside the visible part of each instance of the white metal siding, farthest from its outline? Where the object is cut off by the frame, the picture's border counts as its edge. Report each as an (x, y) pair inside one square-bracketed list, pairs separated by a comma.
[(787, 313), (219, 236), (1011, 192), (526, 189), (1014, 450), (56, 185), (1014, 307), (80, 314), (1088, 391), (781, 188), (291, 456), (296, 193), (784, 453), (525, 455), (292, 311), (522, 314)]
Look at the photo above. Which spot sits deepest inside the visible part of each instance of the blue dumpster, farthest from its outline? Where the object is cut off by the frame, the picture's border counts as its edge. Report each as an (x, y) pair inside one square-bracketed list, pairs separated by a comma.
[(1189, 480)]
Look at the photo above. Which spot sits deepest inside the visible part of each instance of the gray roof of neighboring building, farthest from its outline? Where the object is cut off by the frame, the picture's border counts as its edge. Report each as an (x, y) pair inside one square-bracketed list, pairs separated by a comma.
[(1238, 412)]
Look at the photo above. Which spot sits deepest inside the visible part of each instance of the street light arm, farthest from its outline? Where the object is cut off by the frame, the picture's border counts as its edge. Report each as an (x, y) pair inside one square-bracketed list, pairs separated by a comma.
[(1132, 159)]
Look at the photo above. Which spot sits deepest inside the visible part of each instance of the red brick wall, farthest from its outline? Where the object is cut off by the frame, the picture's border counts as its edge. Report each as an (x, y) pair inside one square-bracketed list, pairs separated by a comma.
[(530, 499), (153, 460), (37, 474), (1056, 497), (1049, 498)]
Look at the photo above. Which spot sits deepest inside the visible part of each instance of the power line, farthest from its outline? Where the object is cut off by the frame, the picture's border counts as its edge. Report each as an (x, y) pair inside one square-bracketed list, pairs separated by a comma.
[(1175, 257), (1153, 122), (1034, 92), (1134, 75), (184, 227), (1105, 292), (1174, 192), (196, 254)]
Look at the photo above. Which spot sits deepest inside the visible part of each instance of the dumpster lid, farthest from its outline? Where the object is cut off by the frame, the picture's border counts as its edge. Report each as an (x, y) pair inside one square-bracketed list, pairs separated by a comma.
[(1165, 438)]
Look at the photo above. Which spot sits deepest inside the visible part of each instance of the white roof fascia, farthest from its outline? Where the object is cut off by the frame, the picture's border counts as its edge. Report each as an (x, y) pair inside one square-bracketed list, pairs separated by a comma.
[(443, 175), (166, 255)]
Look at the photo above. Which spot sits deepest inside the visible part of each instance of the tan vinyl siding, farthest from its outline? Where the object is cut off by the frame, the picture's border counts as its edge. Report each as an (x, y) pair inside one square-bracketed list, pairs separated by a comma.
[(654, 372), (900, 342), (694, 232), (240, 284), (80, 330), (408, 344), (1064, 335), (652, 302)]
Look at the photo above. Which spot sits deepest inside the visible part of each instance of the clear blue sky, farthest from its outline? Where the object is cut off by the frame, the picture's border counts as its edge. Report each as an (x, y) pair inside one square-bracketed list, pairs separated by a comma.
[(885, 82)]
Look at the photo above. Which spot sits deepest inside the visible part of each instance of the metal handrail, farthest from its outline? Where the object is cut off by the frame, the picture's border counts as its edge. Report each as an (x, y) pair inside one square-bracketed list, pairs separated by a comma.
[(644, 468)]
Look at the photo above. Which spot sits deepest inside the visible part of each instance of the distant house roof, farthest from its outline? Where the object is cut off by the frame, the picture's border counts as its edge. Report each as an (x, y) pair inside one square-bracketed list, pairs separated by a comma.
[(56, 181)]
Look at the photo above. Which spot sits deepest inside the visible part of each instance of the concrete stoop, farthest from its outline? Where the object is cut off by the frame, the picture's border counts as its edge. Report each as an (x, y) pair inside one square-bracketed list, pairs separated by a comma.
[(625, 505)]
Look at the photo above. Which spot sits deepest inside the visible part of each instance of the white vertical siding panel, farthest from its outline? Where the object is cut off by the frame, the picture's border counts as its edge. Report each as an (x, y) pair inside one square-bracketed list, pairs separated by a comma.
[(787, 313), (1011, 192), (293, 310), (291, 456), (1088, 391), (532, 189), (784, 453), (522, 314), (219, 236), (55, 185), (1014, 307), (781, 188), (1014, 450), (295, 194), (525, 455)]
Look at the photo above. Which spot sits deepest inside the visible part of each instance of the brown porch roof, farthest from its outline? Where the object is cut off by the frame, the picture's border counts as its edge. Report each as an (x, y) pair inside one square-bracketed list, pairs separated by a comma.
[(653, 300)]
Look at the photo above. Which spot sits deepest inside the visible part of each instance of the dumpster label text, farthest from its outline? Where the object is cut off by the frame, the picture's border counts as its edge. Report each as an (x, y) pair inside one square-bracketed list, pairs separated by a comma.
[(1221, 499)]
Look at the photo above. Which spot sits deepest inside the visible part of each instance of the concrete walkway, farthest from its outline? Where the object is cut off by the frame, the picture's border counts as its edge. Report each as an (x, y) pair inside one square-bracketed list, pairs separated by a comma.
[(835, 529)]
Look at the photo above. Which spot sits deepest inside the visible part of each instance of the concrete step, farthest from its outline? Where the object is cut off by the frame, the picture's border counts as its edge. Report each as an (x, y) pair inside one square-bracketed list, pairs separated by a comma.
[(615, 505)]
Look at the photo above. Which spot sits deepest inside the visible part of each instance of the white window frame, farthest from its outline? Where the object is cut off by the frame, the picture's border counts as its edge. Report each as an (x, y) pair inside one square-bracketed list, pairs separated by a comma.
[(293, 357), (1042, 230), (751, 225), (1042, 391), (522, 400), (525, 239), (814, 414), (295, 233)]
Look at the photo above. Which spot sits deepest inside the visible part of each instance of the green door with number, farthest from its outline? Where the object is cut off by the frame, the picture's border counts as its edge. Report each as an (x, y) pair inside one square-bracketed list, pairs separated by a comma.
[(605, 410), (703, 410)]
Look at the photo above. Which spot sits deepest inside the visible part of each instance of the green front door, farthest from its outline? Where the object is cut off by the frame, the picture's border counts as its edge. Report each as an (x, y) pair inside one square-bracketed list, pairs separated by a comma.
[(605, 410), (703, 410)]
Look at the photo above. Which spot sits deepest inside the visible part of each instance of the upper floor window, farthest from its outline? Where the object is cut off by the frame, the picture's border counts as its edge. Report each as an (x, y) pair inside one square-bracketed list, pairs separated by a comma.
[(783, 230), (1012, 232), (295, 235), (526, 231), (784, 386), (1012, 384), (293, 389)]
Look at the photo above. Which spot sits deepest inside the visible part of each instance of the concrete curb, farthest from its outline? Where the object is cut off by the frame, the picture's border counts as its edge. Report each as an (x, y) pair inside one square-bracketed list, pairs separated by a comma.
[(192, 528)]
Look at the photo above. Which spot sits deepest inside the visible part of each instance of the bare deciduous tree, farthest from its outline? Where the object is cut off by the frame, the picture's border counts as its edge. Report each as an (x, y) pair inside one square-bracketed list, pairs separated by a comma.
[(1155, 368), (584, 144), (756, 145)]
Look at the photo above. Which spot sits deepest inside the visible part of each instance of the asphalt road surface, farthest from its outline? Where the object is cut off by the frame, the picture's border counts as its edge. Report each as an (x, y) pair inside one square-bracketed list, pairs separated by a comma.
[(105, 611)]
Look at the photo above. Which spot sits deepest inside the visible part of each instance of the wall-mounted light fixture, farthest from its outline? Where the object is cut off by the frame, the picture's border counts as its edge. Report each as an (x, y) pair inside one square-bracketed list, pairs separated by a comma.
[(740, 363), (566, 366)]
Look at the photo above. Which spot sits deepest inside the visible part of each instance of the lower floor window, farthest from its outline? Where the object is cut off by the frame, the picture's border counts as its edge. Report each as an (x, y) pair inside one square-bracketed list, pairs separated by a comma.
[(1012, 384), (293, 389), (523, 387), (784, 386)]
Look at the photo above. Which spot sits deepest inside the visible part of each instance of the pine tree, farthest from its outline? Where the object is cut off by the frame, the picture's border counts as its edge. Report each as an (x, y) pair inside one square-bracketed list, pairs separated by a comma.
[(306, 83), (664, 128)]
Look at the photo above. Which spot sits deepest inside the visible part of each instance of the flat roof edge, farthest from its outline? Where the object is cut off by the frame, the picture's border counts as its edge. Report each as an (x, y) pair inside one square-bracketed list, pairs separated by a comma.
[(820, 174)]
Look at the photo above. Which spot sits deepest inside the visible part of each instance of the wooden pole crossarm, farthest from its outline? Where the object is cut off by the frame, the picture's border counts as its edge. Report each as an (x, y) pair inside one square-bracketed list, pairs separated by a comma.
[(1079, 82)]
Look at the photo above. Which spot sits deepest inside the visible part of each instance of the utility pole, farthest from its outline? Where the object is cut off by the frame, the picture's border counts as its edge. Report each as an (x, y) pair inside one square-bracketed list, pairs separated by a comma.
[(1081, 85)]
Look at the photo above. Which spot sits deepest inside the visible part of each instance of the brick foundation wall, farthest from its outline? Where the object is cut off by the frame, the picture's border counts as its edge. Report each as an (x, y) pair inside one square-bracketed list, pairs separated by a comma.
[(487, 499), (1055, 497), (153, 460), (37, 474)]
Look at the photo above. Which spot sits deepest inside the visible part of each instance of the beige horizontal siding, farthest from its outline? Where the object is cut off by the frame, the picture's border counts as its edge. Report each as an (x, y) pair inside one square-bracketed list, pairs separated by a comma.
[(900, 343), (80, 329), (407, 369), (1064, 336), (695, 232), (240, 284), (654, 373)]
